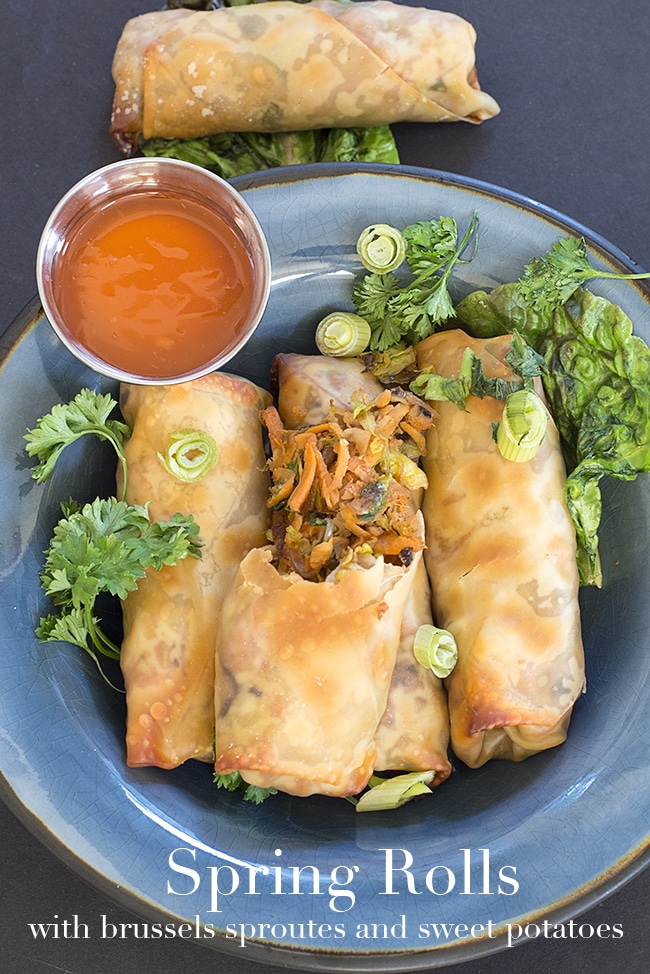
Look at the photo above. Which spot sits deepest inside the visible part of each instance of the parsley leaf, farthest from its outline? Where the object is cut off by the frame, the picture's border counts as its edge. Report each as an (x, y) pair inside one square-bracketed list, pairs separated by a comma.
[(371, 297), (252, 793), (88, 412), (472, 380), (549, 282), (396, 310), (105, 546)]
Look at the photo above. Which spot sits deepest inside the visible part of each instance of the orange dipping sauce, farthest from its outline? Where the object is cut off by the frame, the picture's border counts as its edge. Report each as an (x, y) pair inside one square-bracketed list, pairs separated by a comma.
[(155, 286)]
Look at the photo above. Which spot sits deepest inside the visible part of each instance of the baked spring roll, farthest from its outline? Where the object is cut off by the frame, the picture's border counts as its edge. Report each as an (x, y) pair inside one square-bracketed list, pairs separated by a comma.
[(170, 621), (303, 674), (501, 556), (310, 631), (413, 734), (284, 66)]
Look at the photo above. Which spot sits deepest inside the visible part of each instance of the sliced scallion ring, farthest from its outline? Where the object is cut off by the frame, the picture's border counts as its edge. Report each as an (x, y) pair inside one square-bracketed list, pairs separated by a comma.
[(381, 248), (342, 333), (190, 455), (523, 426), (435, 649), (388, 793)]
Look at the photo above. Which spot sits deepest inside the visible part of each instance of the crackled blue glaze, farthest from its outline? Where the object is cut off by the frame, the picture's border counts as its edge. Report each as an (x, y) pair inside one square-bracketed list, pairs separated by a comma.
[(573, 821)]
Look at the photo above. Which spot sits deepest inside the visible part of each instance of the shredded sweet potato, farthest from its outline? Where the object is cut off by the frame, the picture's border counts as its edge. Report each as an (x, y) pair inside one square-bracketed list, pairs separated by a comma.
[(347, 482)]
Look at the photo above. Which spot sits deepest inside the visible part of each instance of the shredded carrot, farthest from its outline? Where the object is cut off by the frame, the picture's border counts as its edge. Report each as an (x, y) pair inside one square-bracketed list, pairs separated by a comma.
[(336, 487), (301, 493)]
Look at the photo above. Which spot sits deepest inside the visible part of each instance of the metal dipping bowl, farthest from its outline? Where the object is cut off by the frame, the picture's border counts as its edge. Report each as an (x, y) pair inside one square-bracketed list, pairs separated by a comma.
[(162, 178)]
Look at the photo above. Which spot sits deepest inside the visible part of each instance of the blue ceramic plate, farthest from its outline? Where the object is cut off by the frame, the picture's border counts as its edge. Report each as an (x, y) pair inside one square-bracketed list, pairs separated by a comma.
[(572, 822)]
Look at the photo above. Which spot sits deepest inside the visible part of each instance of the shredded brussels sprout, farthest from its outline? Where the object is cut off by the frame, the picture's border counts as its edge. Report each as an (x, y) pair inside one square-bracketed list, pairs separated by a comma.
[(435, 649), (523, 426), (342, 334), (382, 248), (190, 455)]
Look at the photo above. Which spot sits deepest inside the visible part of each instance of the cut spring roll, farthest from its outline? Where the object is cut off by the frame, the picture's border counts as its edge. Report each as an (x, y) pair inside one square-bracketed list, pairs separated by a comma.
[(413, 734), (303, 674), (501, 556), (310, 631), (170, 621), (283, 66)]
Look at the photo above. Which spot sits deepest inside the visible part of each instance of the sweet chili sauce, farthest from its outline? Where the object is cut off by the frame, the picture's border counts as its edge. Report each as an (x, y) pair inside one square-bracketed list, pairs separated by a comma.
[(155, 285)]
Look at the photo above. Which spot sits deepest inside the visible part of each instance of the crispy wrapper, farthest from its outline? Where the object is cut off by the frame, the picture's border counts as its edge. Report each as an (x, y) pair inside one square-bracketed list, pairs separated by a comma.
[(501, 556), (170, 621), (283, 66), (303, 673)]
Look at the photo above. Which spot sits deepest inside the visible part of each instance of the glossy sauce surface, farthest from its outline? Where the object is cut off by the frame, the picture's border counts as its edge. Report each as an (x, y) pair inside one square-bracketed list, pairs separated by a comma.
[(155, 285)]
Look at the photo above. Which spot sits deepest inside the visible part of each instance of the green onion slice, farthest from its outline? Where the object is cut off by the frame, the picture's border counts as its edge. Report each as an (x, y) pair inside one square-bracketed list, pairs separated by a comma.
[(342, 334), (190, 455), (388, 793), (381, 248), (522, 427), (435, 649)]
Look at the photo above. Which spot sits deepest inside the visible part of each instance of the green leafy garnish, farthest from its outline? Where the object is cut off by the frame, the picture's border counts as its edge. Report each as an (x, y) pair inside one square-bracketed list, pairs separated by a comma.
[(412, 310), (105, 547), (597, 382), (238, 153), (88, 412), (372, 297), (549, 282), (235, 782), (472, 380)]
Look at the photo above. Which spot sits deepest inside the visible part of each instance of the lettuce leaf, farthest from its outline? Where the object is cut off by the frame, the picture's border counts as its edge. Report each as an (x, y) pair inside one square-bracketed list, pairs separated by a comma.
[(237, 153), (598, 387)]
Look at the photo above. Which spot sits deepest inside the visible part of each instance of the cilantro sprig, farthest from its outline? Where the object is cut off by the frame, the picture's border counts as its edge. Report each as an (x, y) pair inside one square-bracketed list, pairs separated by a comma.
[(396, 310), (548, 282)]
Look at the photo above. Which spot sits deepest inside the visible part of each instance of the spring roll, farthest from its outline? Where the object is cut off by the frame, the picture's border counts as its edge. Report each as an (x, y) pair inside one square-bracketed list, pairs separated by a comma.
[(501, 557), (310, 631), (284, 66), (303, 674), (170, 621), (413, 733)]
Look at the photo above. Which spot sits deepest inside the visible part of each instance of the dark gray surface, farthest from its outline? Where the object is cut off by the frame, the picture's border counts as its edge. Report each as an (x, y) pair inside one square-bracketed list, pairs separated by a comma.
[(573, 83)]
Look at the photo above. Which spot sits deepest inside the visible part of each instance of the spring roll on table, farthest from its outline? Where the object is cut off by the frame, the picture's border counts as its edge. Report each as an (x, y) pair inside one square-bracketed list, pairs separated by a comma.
[(170, 621), (501, 556), (283, 66)]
